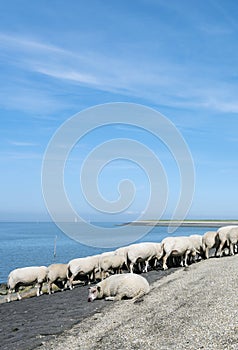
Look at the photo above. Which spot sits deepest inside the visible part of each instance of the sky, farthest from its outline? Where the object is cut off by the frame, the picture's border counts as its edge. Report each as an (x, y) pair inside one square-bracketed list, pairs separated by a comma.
[(179, 58)]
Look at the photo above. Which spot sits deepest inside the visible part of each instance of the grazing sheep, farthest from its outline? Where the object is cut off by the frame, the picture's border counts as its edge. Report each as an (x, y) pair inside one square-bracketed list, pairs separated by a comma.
[(177, 246), (143, 252), (26, 276), (210, 240), (117, 287), (111, 262), (197, 245), (123, 251), (57, 274), (222, 235), (108, 253), (232, 238), (85, 267)]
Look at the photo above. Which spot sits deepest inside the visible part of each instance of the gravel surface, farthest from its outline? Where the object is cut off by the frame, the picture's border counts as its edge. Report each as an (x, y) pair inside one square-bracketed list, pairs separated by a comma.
[(30, 322), (193, 308)]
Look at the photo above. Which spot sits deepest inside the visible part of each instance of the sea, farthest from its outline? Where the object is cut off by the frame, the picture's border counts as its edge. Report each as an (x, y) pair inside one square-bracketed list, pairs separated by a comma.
[(43, 243)]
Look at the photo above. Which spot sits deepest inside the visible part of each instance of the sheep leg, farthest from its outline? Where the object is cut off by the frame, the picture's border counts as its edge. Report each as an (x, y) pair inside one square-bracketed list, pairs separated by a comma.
[(155, 262), (50, 288), (207, 253), (139, 295), (165, 267), (236, 248), (220, 252), (17, 291), (87, 280), (131, 267), (146, 266), (9, 295), (232, 249), (38, 289), (186, 258), (194, 256), (216, 251), (70, 282), (115, 298), (110, 298), (65, 285), (91, 277), (191, 259)]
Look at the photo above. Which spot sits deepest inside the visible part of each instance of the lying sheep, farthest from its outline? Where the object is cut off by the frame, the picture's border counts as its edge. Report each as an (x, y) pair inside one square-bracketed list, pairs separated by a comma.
[(143, 252), (57, 274), (24, 277), (110, 262), (222, 235), (85, 267), (232, 238), (210, 240), (177, 246), (117, 287)]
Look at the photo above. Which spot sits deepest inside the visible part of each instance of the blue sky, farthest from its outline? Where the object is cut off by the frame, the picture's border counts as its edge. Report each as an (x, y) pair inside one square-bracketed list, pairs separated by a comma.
[(179, 57)]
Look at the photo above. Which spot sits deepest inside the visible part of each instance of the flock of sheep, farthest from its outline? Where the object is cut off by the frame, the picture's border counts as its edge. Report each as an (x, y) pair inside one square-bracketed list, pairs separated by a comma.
[(108, 266)]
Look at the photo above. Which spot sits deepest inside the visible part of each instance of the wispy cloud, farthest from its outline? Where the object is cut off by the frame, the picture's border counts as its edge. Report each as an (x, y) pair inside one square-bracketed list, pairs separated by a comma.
[(159, 82), (23, 144), (25, 44), (68, 75)]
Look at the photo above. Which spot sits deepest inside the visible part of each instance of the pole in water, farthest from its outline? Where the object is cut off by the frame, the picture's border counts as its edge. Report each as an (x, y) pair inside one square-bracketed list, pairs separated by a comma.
[(55, 247)]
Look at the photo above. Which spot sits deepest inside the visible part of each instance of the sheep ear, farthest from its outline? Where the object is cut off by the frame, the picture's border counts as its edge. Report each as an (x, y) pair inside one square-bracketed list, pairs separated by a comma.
[(98, 289)]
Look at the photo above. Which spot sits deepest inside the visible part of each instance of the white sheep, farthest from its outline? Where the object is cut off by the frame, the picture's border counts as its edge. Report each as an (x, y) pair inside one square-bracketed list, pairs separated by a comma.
[(210, 240), (85, 267), (177, 246), (123, 251), (108, 262), (143, 252), (232, 238), (117, 287), (57, 274), (222, 235), (26, 276), (197, 245)]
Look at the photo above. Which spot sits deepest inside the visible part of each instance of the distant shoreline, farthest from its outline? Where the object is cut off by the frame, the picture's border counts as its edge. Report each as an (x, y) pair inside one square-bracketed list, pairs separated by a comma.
[(185, 223)]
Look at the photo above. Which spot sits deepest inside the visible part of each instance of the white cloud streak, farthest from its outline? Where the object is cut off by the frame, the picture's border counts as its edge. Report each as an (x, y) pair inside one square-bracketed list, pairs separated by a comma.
[(23, 144), (26, 44), (158, 82)]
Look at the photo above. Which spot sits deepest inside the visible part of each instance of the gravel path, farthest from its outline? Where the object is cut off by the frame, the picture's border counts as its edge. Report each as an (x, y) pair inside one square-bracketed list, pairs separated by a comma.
[(193, 308)]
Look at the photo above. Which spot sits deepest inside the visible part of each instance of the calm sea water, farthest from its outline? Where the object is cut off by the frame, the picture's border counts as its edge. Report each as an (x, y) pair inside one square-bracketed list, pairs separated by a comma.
[(28, 244)]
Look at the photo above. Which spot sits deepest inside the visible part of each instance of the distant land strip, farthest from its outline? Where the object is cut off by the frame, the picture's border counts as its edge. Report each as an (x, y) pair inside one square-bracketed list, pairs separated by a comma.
[(184, 223)]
